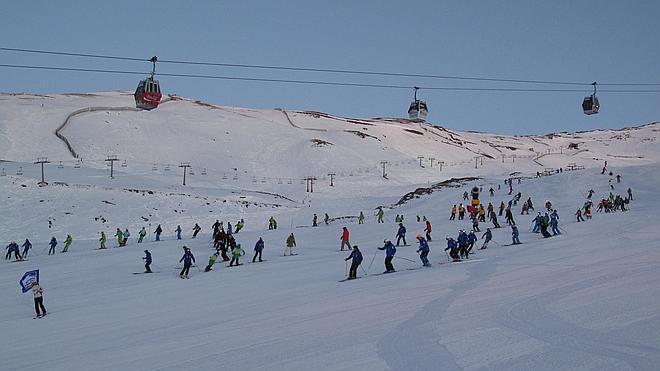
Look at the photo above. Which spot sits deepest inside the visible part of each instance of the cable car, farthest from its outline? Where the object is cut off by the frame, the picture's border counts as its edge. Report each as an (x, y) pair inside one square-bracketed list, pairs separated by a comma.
[(590, 103), (147, 95), (418, 109)]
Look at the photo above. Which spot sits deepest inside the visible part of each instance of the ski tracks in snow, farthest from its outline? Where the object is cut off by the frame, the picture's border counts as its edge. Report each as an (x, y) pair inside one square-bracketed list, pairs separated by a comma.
[(415, 344)]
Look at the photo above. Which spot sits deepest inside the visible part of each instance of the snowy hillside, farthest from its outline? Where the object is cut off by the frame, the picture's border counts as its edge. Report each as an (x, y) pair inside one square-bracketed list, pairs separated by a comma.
[(585, 299)]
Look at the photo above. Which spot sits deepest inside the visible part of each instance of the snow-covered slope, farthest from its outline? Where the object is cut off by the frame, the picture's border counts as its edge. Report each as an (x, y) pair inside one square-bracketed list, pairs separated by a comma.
[(587, 299)]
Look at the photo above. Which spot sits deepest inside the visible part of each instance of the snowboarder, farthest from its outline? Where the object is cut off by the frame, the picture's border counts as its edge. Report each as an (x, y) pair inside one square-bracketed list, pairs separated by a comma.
[(120, 237), (515, 234), (453, 248), (188, 259), (142, 234), (147, 261), (356, 257), (344, 240), (258, 249), (236, 253), (52, 243), (38, 293), (27, 245), (102, 240), (290, 244), (487, 236), (157, 232), (380, 215), (390, 251), (314, 219), (126, 235), (178, 232), (428, 231), (13, 248), (212, 260), (196, 230), (361, 218), (401, 235), (67, 243), (424, 249)]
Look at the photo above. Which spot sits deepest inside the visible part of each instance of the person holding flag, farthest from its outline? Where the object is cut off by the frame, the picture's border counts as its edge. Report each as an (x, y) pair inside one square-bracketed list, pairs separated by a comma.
[(38, 293)]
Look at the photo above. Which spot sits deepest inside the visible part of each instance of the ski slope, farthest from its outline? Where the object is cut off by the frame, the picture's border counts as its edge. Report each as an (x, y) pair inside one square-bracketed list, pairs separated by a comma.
[(587, 299)]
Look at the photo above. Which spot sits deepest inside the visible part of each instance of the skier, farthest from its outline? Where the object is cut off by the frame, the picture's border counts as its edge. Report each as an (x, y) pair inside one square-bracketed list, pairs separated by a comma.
[(488, 236), (361, 218), (120, 237), (453, 213), (258, 249), (530, 206), (143, 232), (217, 225), (401, 234), (463, 242), (554, 222), (147, 261), (465, 195), (544, 226), (461, 212), (509, 216), (188, 259), (428, 231), (126, 235), (496, 224), (390, 251), (326, 219), (13, 248), (356, 257), (380, 215), (158, 231), (537, 223), (630, 197), (102, 240), (290, 244), (178, 232), (618, 178), (67, 243), (314, 224), (491, 191), (501, 208), (472, 238), (196, 230), (424, 248), (475, 224), (52, 243), (452, 246), (27, 245), (212, 260), (239, 225), (578, 214), (344, 240), (236, 253), (229, 229), (515, 234), (482, 213), (38, 293)]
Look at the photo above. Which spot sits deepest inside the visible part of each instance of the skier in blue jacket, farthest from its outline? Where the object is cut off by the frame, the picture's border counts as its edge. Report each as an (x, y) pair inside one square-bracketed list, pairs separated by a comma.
[(356, 256), (452, 246), (13, 248), (258, 248), (472, 238), (401, 234), (424, 248), (178, 232), (27, 245), (390, 251), (515, 234), (187, 260), (52, 243), (463, 243), (147, 261), (554, 222)]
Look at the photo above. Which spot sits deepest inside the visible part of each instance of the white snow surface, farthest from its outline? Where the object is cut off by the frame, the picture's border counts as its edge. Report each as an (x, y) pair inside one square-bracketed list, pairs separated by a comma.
[(588, 299)]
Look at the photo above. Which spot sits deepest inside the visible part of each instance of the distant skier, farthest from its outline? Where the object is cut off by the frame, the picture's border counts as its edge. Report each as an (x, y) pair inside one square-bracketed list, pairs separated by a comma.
[(239, 225), (314, 220), (472, 238), (157, 232), (13, 248), (509, 217), (126, 235), (52, 243), (545, 222), (453, 213), (188, 259), (236, 253), (120, 237), (356, 257), (475, 224), (491, 191), (537, 223), (102, 240), (578, 214), (38, 293), (27, 245), (390, 251), (147, 261), (141, 235), (258, 249), (630, 197), (67, 243), (401, 235), (178, 232), (344, 240), (463, 243), (453, 248), (290, 244), (424, 249), (230, 231), (212, 260), (486, 237), (515, 234), (196, 230), (326, 219), (361, 218), (461, 212), (501, 208), (428, 229), (465, 195), (380, 215), (496, 224), (554, 223)]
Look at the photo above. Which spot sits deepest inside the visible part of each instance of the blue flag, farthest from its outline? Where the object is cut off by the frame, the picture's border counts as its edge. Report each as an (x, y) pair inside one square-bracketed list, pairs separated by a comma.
[(29, 279)]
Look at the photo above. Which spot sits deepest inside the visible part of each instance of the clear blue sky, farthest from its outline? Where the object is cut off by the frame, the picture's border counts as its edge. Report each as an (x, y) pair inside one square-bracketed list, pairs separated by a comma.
[(605, 41)]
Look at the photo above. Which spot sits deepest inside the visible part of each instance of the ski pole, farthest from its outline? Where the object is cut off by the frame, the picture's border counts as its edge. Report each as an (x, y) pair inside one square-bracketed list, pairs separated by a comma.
[(346, 268), (372, 261), (446, 253), (410, 260), (498, 244), (365, 272)]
